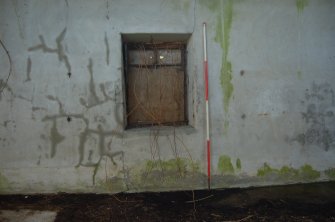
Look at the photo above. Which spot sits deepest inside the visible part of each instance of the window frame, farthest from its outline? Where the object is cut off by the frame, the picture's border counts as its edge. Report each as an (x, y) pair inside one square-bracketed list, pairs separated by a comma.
[(174, 45)]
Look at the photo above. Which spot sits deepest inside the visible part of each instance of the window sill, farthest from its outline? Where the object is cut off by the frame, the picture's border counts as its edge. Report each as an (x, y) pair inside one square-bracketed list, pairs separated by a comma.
[(163, 130)]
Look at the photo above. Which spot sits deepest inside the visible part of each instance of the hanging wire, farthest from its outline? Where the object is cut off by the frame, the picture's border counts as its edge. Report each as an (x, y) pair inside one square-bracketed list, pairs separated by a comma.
[(3, 84)]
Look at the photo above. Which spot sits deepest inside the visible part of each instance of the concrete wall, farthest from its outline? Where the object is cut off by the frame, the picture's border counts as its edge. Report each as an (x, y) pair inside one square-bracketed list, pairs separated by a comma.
[(272, 102)]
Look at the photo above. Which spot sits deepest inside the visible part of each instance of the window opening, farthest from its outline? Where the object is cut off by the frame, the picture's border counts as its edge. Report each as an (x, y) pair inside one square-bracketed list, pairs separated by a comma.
[(155, 82)]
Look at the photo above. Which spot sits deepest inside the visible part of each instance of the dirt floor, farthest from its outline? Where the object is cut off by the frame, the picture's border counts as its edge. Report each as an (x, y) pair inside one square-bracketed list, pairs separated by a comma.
[(312, 202)]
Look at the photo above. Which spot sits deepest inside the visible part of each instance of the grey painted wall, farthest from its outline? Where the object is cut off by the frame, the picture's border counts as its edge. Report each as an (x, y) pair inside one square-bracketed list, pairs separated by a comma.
[(272, 102)]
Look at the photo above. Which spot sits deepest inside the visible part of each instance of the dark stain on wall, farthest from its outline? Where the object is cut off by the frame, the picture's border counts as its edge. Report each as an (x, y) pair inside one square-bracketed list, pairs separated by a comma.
[(19, 19), (319, 117), (102, 138), (28, 70), (59, 50), (107, 49), (93, 99)]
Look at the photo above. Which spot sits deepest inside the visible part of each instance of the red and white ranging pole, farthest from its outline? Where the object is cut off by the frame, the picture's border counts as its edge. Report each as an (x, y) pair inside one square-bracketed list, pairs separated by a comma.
[(208, 144)]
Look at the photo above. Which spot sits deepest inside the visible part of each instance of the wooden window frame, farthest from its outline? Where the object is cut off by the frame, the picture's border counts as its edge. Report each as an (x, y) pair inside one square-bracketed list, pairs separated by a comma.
[(128, 46)]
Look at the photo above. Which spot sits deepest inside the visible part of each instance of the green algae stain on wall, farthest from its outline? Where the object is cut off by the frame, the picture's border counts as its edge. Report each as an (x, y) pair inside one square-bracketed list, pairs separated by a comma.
[(225, 166), (301, 4), (288, 172), (238, 164), (212, 5), (4, 184), (304, 173), (224, 12), (179, 166), (330, 173), (183, 5), (111, 185), (223, 29), (266, 170), (299, 75), (308, 173), (180, 172)]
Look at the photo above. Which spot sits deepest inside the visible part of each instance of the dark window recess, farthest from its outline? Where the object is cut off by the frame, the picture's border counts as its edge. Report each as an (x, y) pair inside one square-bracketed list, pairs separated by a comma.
[(155, 80)]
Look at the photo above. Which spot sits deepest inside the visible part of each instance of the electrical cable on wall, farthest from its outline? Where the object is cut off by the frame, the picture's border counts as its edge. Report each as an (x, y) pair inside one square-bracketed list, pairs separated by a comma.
[(3, 84)]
